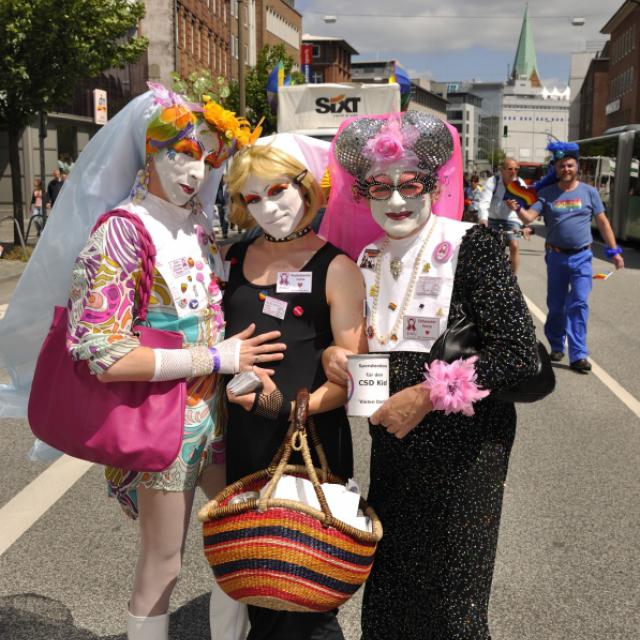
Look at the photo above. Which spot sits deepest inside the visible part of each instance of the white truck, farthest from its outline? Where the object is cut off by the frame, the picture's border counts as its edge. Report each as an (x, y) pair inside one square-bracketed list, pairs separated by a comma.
[(318, 109)]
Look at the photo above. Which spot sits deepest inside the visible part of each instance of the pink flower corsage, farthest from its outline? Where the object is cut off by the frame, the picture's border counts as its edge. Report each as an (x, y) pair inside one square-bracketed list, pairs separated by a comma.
[(452, 387)]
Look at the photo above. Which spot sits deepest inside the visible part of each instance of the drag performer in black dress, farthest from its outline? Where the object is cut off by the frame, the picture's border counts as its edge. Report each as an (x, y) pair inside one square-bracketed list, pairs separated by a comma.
[(293, 281), (441, 443)]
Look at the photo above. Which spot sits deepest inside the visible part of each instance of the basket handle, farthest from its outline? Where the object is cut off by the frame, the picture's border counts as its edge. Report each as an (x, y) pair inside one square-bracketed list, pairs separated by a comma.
[(315, 441), (297, 441)]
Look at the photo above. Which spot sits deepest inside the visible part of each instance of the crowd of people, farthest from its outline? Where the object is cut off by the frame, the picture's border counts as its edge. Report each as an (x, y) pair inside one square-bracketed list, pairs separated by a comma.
[(384, 274)]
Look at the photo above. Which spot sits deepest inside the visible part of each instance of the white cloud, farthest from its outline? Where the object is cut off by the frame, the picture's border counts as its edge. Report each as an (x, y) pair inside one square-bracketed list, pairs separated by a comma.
[(552, 29)]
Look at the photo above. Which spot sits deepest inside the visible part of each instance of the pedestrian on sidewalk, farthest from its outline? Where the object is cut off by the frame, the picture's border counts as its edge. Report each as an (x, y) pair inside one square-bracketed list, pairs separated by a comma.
[(567, 208), (36, 204), (494, 212), (54, 187)]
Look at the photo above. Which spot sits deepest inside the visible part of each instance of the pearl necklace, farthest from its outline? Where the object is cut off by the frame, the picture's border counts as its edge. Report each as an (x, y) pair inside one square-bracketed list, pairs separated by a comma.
[(408, 294)]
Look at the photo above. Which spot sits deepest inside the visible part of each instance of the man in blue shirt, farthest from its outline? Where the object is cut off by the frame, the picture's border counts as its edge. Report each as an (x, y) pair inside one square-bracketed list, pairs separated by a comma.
[(567, 208)]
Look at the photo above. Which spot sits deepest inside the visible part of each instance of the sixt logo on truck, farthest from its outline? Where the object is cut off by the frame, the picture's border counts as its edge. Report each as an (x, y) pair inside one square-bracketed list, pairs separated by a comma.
[(338, 104)]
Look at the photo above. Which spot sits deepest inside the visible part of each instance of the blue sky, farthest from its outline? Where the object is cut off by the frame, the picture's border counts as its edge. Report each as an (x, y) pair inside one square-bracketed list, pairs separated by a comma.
[(461, 39)]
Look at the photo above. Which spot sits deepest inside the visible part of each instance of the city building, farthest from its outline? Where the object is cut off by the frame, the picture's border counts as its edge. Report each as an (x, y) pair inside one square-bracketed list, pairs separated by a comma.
[(422, 97), (331, 59), (594, 97), (580, 61), (479, 105), (623, 28), (279, 22), (531, 113), (463, 112)]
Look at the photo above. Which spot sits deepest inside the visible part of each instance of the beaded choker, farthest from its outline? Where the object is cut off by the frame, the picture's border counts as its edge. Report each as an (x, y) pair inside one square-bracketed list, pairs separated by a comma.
[(291, 236)]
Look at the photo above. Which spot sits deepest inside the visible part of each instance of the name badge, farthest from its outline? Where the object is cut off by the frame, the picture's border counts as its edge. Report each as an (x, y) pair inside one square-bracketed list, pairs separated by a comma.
[(428, 286), (421, 328), (179, 267), (369, 257), (274, 307), (294, 282)]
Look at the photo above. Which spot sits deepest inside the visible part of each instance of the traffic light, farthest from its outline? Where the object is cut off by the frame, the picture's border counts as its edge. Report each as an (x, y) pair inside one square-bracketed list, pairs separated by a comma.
[(505, 131)]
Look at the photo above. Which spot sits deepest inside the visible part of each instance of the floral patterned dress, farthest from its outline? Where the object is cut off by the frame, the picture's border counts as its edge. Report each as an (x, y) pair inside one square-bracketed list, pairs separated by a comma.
[(185, 297)]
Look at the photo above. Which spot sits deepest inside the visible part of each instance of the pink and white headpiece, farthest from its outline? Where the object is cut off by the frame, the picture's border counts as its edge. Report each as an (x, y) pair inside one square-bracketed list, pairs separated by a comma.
[(367, 145), (370, 145)]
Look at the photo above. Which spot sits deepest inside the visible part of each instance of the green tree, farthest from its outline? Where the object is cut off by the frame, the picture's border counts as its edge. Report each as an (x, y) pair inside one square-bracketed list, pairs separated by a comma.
[(200, 83), (46, 47), (496, 158), (256, 86)]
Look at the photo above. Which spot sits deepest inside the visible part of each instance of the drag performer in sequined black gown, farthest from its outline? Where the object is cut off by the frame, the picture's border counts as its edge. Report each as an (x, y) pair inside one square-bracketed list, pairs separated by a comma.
[(436, 477)]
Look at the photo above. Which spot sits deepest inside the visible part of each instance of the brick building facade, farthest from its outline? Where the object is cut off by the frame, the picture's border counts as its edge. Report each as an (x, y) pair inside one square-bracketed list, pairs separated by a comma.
[(202, 36), (623, 103), (331, 59), (593, 98)]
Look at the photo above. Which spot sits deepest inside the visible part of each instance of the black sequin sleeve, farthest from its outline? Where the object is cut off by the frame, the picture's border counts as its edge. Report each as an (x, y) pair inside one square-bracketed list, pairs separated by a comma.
[(493, 298)]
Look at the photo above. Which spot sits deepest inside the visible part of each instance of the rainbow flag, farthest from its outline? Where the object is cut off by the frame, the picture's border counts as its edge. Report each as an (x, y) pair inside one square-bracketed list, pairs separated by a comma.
[(275, 80), (524, 196), (400, 76)]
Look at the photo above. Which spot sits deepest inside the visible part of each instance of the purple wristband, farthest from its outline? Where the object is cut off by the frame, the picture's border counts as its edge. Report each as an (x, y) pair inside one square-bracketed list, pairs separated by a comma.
[(215, 359)]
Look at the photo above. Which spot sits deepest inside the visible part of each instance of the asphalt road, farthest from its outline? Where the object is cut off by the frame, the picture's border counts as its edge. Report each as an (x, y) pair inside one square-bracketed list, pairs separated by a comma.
[(568, 563)]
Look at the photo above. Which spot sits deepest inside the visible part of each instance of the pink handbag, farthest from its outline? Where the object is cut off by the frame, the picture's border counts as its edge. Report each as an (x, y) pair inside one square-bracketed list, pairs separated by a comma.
[(135, 426)]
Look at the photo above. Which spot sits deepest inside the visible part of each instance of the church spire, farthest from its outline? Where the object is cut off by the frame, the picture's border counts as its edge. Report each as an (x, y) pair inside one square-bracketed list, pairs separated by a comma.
[(524, 65)]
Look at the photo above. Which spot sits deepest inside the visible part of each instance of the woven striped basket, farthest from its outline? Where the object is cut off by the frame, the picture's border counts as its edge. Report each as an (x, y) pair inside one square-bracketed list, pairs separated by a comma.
[(281, 554)]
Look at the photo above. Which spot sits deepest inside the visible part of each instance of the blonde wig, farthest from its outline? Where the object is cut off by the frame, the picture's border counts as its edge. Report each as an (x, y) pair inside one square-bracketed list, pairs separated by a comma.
[(269, 163)]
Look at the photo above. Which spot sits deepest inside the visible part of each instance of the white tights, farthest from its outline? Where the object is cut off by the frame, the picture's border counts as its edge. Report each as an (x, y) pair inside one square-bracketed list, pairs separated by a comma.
[(164, 520)]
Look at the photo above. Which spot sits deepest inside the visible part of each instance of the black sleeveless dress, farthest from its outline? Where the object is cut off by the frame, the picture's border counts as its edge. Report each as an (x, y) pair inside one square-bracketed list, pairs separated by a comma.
[(252, 441)]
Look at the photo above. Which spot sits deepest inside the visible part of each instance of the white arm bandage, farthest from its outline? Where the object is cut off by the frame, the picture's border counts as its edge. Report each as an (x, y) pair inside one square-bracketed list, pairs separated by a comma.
[(174, 364), (229, 351)]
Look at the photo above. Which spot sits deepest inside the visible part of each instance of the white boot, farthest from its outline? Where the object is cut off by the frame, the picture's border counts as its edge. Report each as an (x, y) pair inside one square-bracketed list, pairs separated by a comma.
[(228, 618), (148, 628)]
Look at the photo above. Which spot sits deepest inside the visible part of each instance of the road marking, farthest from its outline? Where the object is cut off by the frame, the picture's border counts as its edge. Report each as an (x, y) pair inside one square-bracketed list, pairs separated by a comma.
[(617, 389), (23, 511), (3, 309)]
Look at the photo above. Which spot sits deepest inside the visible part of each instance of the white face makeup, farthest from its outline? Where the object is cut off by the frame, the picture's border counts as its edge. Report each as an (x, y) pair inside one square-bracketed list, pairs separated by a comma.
[(277, 205), (401, 213), (183, 167)]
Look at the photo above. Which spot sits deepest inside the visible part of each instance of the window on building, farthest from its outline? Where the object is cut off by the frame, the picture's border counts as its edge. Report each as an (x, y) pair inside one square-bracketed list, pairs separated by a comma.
[(184, 32), (234, 46), (454, 115), (209, 50), (317, 51), (234, 8), (192, 32)]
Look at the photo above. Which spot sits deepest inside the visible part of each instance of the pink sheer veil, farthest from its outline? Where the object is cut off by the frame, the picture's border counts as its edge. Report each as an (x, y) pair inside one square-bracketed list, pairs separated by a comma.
[(348, 223)]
